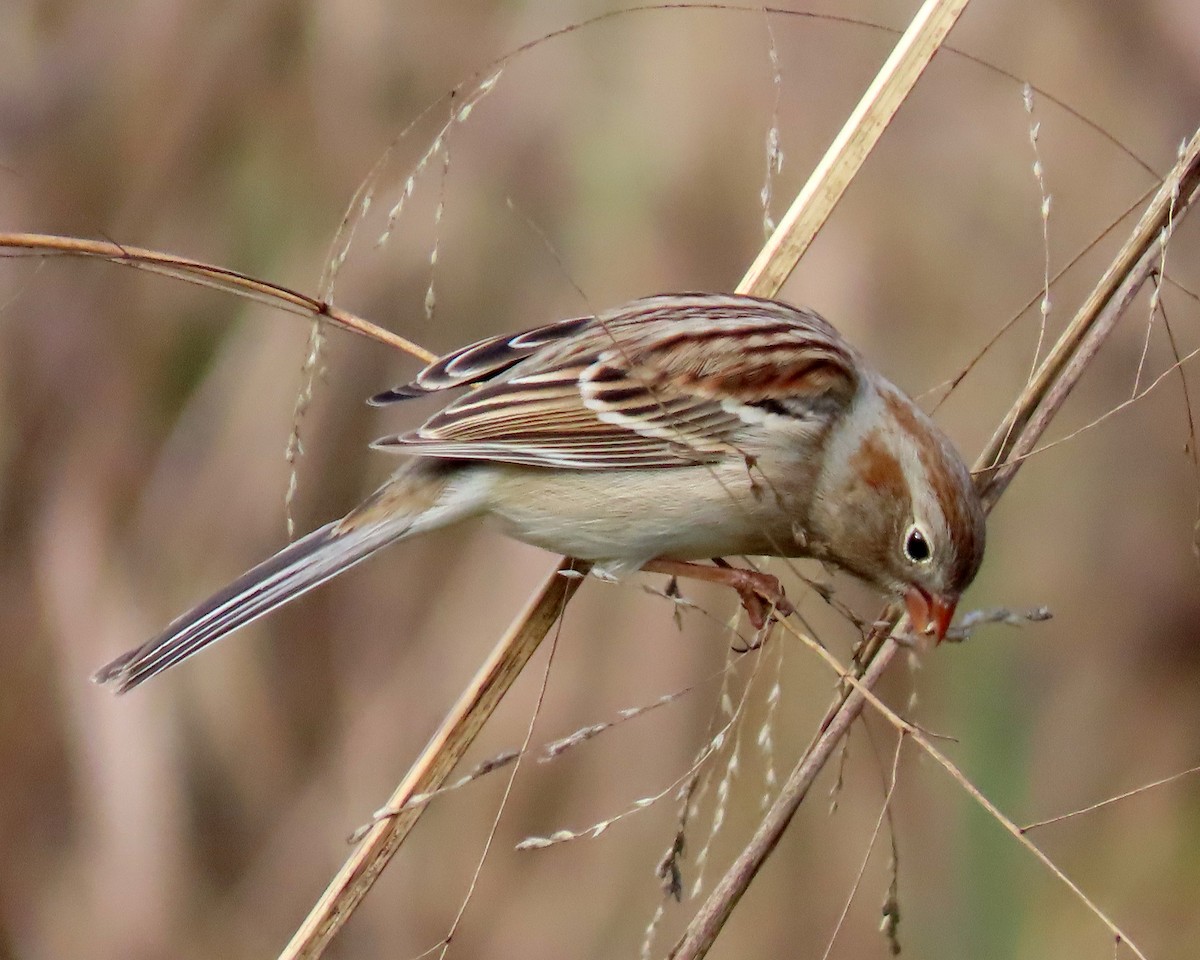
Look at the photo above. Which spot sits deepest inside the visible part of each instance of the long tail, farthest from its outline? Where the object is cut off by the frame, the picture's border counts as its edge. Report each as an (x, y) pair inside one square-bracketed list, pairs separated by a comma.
[(418, 498)]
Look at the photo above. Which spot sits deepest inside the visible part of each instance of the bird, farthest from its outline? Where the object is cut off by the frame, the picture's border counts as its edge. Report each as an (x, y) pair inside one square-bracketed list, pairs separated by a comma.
[(673, 430)]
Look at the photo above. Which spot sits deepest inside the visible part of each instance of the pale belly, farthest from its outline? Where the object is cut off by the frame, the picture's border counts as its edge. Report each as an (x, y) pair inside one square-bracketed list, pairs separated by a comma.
[(688, 513)]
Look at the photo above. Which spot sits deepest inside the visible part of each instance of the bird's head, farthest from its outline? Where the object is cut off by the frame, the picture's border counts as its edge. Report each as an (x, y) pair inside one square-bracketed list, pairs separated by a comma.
[(896, 506)]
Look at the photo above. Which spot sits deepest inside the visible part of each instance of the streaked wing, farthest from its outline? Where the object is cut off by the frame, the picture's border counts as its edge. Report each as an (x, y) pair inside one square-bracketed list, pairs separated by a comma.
[(663, 382), (482, 360)]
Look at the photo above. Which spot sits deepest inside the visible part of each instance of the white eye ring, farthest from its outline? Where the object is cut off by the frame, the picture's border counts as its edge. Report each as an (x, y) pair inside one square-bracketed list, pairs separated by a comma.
[(917, 548)]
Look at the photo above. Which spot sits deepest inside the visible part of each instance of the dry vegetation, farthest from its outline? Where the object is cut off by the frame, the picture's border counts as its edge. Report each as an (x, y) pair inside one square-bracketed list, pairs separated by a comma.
[(142, 462)]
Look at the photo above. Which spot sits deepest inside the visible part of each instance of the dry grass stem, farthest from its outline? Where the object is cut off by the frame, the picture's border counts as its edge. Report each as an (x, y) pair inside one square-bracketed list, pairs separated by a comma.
[(1019, 432), (774, 150), (207, 275), (508, 788), (1039, 174), (711, 916), (1161, 782), (1137, 259), (884, 810), (861, 687), (437, 760), (728, 733), (850, 149)]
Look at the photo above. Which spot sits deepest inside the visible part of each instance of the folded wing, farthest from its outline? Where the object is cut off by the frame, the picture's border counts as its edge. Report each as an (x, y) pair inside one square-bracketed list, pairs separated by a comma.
[(663, 382)]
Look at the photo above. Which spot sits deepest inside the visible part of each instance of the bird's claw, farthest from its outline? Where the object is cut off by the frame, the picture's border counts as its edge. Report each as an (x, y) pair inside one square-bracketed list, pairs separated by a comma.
[(762, 598)]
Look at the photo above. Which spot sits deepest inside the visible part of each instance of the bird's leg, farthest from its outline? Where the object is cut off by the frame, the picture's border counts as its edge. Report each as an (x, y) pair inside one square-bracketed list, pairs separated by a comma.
[(761, 593)]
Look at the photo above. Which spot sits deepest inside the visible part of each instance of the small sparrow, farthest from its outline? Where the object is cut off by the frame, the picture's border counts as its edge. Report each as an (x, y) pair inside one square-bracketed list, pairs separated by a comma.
[(671, 430)]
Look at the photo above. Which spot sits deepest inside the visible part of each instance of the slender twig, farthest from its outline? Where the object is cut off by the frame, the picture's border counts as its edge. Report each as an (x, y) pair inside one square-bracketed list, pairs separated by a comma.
[(851, 147), (1092, 807), (539, 702), (1092, 324), (711, 917), (207, 275), (1031, 413), (862, 687), (437, 760), (884, 812)]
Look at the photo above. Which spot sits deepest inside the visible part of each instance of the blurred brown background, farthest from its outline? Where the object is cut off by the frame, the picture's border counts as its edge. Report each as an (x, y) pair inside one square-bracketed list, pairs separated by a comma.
[(143, 424)]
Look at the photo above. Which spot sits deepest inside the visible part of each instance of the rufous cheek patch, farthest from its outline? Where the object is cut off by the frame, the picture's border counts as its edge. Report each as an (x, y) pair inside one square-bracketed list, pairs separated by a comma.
[(876, 466)]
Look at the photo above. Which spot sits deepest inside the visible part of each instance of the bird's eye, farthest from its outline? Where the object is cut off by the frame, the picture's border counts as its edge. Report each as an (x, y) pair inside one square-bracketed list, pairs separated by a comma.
[(916, 545)]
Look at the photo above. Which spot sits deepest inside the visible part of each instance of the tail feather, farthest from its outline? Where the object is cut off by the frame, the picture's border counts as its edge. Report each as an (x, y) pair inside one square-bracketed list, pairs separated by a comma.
[(416, 499), (296, 569)]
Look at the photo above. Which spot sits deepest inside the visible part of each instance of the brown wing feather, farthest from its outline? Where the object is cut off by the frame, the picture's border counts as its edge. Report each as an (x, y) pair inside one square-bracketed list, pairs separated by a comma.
[(482, 360), (666, 381)]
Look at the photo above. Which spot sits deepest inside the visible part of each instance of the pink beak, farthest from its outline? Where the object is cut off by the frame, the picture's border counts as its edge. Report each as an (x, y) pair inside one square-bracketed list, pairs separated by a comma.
[(929, 614)]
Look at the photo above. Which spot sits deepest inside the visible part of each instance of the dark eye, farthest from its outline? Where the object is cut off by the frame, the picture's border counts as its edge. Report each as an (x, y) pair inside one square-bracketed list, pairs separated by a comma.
[(916, 545)]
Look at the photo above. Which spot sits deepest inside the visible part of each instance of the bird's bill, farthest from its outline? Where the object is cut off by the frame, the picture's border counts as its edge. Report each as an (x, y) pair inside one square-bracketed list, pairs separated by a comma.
[(929, 614)]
